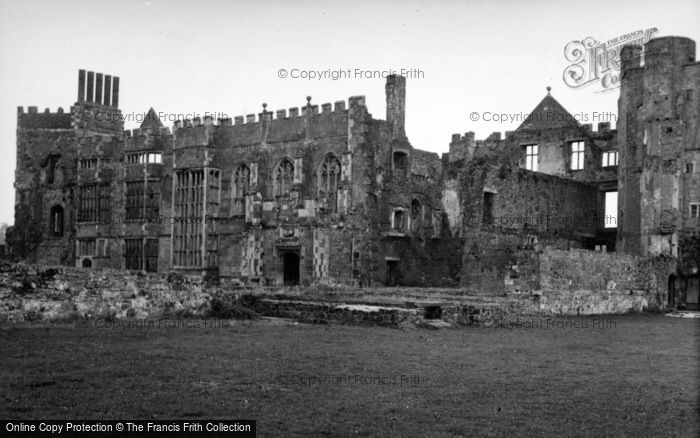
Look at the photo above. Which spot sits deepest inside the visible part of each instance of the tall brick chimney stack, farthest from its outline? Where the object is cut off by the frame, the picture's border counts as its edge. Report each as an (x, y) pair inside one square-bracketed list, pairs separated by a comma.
[(396, 104)]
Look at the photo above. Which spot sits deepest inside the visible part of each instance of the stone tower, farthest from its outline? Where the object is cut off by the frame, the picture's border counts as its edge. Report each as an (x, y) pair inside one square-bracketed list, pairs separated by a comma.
[(659, 146)]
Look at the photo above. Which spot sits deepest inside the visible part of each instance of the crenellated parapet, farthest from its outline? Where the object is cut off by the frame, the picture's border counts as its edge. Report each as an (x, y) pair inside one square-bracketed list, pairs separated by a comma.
[(33, 119), (291, 124)]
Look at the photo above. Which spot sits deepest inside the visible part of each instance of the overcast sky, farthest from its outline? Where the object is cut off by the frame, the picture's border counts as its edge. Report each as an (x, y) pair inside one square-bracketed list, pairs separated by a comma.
[(225, 57)]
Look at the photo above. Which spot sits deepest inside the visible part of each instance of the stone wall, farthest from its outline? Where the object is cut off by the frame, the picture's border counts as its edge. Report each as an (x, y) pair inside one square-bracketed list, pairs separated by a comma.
[(580, 281), (63, 293)]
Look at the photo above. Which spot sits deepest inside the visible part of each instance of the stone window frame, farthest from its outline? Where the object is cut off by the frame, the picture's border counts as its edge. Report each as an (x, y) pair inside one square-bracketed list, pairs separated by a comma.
[(403, 162), (578, 156), (689, 167), (88, 163), (57, 220), (150, 157), (329, 186), (694, 210), (86, 247), (239, 191), (605, 159), (283, 179), (416, 214), (532, 156), (402, 227)]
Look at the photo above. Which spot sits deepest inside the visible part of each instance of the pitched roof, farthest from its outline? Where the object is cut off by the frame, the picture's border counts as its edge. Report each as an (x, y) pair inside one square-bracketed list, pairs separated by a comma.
[(549, 114), (151, 121)]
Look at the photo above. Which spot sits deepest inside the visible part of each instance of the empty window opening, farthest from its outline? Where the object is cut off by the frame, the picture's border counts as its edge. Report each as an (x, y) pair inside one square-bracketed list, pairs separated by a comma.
[(416, 215), (52, 163), (56, 221), (531, 157), (144, 158), (488, 208), (610, 210), (400, 162), (577, 155), (398, 220), (689, 167), (609, 158), (695, 210)]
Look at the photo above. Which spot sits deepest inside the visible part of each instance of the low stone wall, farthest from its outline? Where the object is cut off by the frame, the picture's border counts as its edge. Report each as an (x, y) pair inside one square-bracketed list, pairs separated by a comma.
[(60, 293), (584, 282), (550, 282)]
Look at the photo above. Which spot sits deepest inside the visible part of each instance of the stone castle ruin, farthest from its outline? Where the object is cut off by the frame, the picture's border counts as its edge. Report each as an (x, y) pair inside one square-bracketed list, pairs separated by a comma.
[(332, 195)]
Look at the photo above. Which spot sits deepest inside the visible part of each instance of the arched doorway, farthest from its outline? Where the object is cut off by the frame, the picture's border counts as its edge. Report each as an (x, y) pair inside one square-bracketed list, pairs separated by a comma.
[(86, 263), (290, 266)]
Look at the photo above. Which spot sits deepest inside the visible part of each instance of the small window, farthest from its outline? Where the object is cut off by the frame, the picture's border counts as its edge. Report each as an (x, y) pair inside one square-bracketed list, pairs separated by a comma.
[(88, 163), (689, 167), (416, 216), (56, 221), (488, 208), (154, 158), (398, 220), (531, 157), (577, 155), (400, 162), (695, 210), (609, 158), (610, 210), (51, 168)]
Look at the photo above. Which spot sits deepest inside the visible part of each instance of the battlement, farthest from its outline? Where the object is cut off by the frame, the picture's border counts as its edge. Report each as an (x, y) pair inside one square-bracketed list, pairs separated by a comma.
[(658, 54), (33, 119), (338, 107), (139, 132)]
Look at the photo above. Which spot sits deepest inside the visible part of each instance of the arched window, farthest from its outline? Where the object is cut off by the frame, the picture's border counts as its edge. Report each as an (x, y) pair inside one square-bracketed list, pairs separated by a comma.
[(329, 181), (415, 216), (241, 186), (283, 178), (56, 221)]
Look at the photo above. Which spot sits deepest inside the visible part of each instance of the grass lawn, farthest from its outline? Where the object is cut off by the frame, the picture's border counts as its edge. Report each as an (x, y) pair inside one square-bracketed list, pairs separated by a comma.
[(638, 377)]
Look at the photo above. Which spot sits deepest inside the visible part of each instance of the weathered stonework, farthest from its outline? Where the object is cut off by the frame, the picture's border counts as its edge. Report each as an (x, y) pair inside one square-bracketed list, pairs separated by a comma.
[(331, 195)]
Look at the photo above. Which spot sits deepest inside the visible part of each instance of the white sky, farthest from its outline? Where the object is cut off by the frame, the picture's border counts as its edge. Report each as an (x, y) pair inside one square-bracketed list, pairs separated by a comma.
[(224, 57)]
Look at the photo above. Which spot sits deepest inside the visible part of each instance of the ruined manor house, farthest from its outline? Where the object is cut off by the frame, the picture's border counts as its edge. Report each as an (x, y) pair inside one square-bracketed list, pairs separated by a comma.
[(333, 195)]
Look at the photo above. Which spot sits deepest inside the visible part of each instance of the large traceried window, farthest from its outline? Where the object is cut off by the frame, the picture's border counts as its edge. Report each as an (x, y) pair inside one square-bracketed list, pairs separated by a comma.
[(577, 155), (531, 157), (196, 203), (329, 181), (283, 178), (241, 186)]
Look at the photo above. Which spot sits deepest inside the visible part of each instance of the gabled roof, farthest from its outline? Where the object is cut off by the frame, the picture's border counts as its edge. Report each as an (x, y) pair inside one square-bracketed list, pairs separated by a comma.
[(549, 114), (151, 121)]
